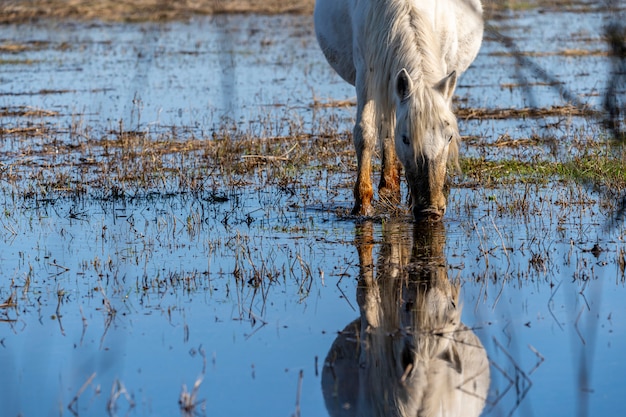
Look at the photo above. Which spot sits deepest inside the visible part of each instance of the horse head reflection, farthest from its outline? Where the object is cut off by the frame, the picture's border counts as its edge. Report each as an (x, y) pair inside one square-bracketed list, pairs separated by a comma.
[(408, 354)]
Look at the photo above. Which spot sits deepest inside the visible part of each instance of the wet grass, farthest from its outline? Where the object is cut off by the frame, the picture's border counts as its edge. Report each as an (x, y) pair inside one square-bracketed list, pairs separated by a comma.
[(130, 167), (41, 162), (602, 166), (523, 113)]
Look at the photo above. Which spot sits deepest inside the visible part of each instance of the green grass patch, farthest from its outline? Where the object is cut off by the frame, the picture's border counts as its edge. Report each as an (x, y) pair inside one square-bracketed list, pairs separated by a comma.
[(599, 169)]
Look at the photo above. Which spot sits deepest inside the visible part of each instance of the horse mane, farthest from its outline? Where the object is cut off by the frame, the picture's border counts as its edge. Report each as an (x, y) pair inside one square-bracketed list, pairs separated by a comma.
[(400, 36)]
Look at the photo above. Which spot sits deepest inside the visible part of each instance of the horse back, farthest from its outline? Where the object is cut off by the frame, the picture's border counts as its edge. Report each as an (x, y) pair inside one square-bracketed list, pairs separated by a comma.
[(333, 29), (339, 24)]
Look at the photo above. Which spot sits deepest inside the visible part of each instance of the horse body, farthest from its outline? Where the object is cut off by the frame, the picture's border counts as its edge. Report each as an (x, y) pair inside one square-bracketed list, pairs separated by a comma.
[(403, 57)]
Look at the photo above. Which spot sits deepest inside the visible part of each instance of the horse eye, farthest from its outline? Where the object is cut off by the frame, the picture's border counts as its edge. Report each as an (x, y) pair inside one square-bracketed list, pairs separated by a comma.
[(450, 139), (405, 139)]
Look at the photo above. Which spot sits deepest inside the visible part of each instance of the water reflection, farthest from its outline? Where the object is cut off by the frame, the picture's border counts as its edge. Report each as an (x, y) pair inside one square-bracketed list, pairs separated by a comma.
[(408, 354)]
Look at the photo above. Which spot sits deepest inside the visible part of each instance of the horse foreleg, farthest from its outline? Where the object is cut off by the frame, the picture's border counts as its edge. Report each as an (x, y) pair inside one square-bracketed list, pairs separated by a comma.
[(368, 292), (364, 138), (389, 185)]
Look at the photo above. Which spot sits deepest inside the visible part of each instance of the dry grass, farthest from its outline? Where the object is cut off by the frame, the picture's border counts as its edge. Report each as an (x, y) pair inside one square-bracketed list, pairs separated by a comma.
[(127, 164), (528, 112), (474, 113), (564, 52), (25, 111), (12, 11)]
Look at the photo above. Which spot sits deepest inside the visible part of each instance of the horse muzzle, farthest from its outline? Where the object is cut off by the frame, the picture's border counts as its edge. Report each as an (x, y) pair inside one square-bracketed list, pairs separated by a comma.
[(431, 214)]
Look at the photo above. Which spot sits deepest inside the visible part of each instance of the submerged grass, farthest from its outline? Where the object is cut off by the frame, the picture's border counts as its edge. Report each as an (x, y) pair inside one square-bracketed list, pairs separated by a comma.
[(125, 166), (43, 163), (39, 162)]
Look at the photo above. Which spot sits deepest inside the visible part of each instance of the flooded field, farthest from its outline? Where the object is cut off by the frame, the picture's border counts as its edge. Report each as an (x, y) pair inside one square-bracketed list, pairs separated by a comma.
[(175, 235)]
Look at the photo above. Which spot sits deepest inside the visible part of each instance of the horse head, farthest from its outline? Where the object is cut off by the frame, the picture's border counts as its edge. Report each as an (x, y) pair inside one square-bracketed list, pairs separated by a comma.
[(426, 140)]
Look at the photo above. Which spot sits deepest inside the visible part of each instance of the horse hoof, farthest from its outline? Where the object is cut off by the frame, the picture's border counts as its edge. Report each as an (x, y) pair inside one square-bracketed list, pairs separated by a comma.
[(363, 210)]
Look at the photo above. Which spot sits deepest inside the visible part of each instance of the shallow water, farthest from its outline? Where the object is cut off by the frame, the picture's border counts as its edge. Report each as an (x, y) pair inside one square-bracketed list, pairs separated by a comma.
[(121, 303), (226, 68)]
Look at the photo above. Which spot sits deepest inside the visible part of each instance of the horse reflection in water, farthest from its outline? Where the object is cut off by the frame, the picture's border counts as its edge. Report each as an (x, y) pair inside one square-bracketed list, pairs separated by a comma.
[(408, 354)]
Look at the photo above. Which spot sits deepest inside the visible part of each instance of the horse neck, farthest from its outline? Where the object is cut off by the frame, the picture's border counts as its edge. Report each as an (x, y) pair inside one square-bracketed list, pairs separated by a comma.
[(404, 38)]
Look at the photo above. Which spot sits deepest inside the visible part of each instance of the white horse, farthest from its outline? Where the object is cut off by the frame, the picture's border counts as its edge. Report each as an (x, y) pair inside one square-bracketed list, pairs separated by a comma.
[(403, 57)]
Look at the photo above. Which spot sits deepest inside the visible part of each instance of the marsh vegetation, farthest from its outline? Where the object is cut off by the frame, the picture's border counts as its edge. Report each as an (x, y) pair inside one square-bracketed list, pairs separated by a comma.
[(175, 232)]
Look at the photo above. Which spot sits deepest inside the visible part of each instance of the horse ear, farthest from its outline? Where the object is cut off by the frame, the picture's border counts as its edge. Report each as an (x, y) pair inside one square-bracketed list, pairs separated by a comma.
[(404, 85), (452, 357), (447, 85)]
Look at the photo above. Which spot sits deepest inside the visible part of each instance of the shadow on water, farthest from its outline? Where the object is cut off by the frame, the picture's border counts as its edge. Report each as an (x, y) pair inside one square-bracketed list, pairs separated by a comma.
[(408, 353)]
